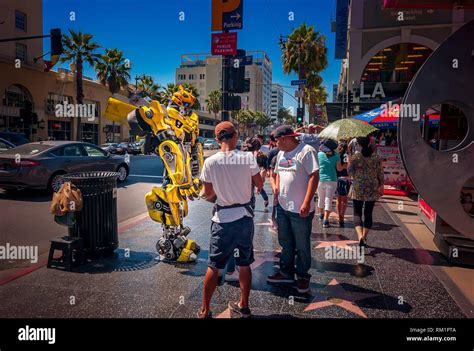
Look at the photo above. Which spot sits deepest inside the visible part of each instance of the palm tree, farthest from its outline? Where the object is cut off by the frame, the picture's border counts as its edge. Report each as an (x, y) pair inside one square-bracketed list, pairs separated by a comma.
[(78, 48), (313, 51), (314, 93), (284, 116), (148, 88), (262, 120), (213, 103), (245, 119), (112, 70)]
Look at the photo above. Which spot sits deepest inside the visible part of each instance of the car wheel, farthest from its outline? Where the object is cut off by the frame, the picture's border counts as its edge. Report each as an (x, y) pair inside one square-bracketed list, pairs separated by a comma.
[(123, 173), (56, 182)]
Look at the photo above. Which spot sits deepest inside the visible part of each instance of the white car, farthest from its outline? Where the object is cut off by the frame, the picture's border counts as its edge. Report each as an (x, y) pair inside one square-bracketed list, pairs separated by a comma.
[(211, 144)]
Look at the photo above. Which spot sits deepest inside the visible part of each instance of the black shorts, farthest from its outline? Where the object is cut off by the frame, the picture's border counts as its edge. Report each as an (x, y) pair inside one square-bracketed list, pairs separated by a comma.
[(233, 238), (343, 187)]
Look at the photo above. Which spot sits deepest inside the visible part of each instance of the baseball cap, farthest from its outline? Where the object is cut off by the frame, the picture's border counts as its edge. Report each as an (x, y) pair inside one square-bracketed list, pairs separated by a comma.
[(282, 131), (328, 145), (224, 129)]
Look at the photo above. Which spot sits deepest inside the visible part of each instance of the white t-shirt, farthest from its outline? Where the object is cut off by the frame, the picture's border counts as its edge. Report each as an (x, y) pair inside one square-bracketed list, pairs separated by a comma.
[(231, 176), (294, 169)]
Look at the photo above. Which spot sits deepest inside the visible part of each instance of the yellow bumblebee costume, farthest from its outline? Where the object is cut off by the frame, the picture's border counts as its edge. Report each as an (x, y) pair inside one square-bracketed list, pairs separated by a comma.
[(173, 132)]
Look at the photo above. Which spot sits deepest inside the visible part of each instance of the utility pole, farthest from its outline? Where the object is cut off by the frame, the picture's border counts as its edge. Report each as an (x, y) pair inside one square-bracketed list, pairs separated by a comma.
[(225, 87)]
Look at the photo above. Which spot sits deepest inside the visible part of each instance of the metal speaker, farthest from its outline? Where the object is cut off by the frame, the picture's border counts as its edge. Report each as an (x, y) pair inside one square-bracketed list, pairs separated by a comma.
[(435, 175)]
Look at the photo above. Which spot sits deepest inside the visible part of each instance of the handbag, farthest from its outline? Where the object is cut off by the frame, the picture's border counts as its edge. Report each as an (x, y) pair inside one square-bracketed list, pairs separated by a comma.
[(67, 199)]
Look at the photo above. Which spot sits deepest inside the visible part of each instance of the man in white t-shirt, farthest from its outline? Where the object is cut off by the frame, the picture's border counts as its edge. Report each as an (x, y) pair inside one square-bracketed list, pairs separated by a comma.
[(228, 178), (297, 176)]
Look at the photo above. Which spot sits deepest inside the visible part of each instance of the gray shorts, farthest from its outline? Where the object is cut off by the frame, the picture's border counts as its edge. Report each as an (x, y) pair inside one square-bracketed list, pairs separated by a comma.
[(231, 239)]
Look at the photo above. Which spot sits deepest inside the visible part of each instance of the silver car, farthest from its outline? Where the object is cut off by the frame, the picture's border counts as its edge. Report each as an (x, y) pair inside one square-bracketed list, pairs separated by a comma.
[(41, 165)]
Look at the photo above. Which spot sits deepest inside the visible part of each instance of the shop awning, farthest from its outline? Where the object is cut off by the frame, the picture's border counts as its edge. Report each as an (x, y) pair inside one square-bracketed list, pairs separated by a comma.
[(388, 119), (428, 4)]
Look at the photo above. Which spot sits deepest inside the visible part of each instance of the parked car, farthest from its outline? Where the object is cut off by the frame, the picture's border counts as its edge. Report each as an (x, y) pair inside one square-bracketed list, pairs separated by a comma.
[(110, 147), (43, 164), (16, 139), (5, 145), (129, 148), (211, 144)]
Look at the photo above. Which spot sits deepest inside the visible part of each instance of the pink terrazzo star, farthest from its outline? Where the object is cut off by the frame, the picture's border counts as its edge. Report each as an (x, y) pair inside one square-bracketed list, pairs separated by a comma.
[(335, 295)]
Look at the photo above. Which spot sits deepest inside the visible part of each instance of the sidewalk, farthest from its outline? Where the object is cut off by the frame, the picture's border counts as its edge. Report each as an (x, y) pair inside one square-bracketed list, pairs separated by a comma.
[(397, 279)]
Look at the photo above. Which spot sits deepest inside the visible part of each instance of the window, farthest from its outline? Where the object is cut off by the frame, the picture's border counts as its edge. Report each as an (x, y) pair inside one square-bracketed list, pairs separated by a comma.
[(202, 76), (181, 77), (20, 52), (54, 99), (90, 133), (96, 106), (16, 96), (68, 151), (59, 130), (191, 76), (93, 151), (20, 20)]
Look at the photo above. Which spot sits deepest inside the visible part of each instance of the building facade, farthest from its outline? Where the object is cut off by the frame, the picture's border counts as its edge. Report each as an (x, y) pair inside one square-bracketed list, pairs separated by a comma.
[(23, 81), (276, 101), (204, 71), (385, 47)]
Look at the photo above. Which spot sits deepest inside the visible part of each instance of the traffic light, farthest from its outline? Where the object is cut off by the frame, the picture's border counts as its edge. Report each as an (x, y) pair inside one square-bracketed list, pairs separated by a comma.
[(350, 97), (56, 48), (299, 115), (247, 85), (233, 103), (236, 78)]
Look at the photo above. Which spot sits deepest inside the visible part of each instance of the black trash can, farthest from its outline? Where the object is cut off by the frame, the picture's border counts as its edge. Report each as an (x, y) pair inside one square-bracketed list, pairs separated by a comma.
[(96, 224)]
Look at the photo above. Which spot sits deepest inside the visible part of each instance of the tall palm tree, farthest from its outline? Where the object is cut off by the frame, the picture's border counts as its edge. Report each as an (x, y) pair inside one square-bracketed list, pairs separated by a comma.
[(112, 70), (148, 88), (313, 51), (78, 48), (314, 93), (262, 120), (213, 103), (246, 119)]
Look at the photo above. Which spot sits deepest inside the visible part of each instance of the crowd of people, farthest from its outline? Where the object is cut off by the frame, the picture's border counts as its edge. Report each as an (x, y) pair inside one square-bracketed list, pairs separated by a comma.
[(299, 164)]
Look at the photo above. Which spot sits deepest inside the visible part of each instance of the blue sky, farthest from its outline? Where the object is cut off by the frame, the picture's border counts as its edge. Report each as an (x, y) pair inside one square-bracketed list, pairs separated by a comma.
[(151, 35)]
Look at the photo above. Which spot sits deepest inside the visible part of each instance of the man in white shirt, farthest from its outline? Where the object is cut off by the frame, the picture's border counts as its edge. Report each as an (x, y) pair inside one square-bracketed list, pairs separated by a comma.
[(297, 176), (228, 178)]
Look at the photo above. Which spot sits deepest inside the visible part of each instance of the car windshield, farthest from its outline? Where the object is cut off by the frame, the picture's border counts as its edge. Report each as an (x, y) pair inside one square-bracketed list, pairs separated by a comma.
[(31, 149)]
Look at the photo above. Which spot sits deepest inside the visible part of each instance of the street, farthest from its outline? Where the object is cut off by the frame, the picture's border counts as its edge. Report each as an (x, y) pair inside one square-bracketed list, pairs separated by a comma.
[(25, 214)]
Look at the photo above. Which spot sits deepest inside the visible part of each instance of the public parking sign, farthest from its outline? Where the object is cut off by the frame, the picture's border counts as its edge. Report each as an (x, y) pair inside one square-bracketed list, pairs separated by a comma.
[(224, 44)]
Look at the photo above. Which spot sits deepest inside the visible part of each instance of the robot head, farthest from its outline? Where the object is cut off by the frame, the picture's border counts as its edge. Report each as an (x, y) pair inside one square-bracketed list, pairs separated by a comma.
[(183, 98)]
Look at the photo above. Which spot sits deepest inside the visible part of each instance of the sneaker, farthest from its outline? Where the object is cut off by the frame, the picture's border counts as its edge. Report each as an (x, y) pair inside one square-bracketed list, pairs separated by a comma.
[(326, 224), (278, 277), (302, 285), (341, 224), (243, 312), (232, 277)]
